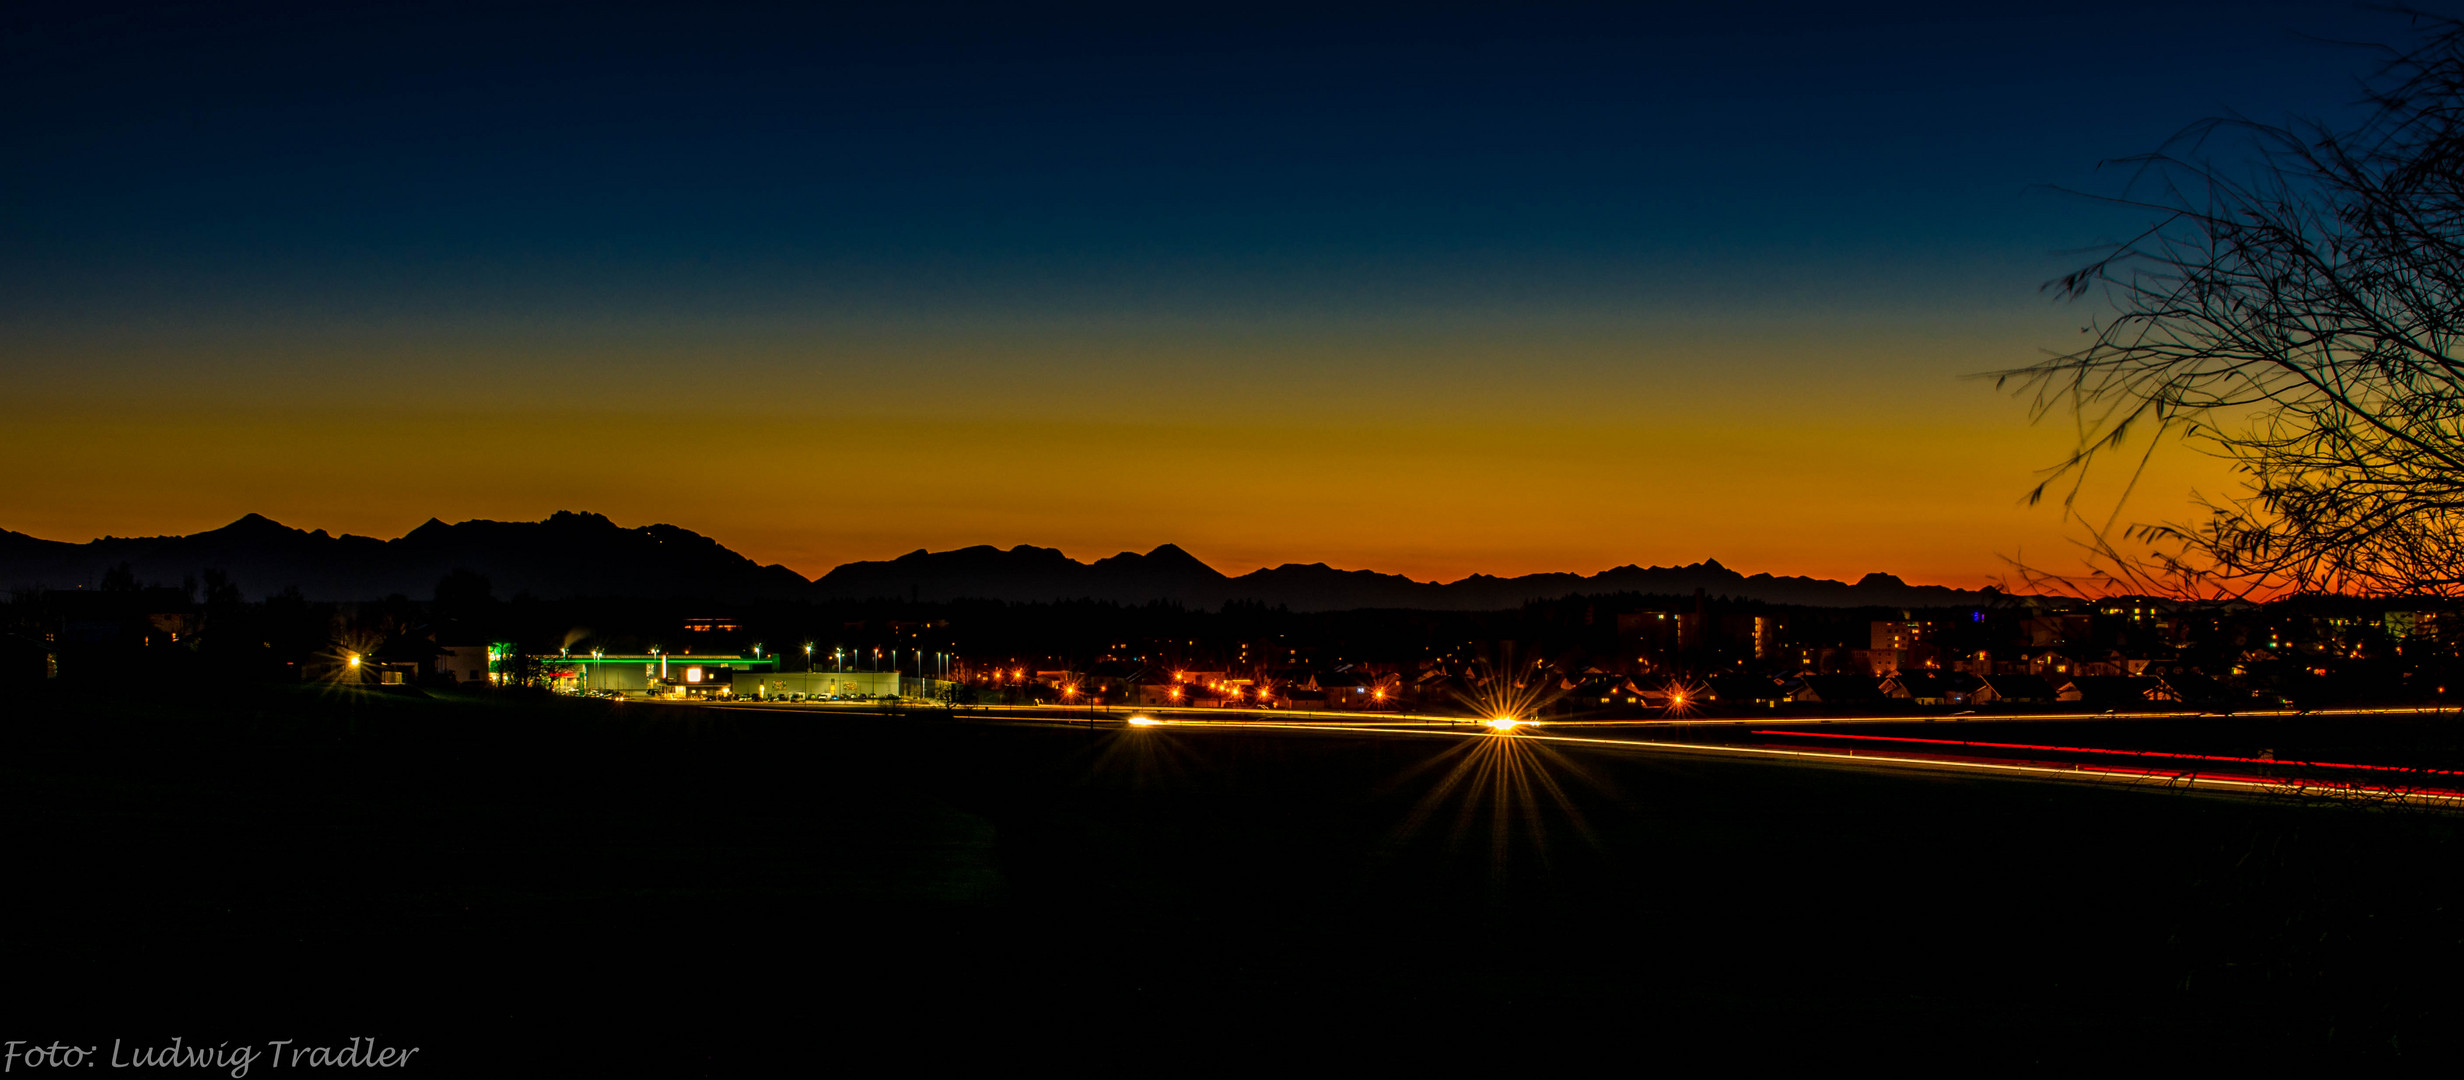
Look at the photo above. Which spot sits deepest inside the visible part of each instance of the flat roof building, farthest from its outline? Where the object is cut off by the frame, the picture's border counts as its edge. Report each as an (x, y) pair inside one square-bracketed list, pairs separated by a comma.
[(645, 672)]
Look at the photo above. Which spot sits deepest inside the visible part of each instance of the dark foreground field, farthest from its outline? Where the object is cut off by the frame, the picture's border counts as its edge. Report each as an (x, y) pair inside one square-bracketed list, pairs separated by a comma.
[(549, 886)]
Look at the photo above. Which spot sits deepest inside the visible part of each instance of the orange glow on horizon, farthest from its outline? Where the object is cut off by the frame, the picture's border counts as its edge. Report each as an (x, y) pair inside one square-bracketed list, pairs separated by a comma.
[(1568, 480)]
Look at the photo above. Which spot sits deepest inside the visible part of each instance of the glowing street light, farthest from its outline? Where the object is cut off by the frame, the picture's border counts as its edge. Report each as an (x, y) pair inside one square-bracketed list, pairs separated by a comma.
[(1503, 724)]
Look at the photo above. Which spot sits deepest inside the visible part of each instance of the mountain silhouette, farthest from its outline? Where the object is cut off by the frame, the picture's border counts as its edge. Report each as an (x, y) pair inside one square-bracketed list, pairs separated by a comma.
[(583, 554), (1032, 574), (569, 554)]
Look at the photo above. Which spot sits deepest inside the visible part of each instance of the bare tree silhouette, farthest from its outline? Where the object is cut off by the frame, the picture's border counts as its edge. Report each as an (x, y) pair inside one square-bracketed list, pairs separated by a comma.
[(2294, 307)]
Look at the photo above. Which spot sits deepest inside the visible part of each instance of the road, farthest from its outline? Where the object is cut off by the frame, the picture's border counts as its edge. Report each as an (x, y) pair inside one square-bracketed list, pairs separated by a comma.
[(1981, 745)]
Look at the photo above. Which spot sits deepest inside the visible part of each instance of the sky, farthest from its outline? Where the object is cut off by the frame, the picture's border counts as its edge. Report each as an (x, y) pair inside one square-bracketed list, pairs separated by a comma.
[(1465, 290)]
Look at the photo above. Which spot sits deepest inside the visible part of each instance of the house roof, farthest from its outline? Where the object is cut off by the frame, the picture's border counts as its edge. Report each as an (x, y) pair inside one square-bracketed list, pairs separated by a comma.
[(2020, 686), (1933, 683), (2115, 688), (1841, 688)]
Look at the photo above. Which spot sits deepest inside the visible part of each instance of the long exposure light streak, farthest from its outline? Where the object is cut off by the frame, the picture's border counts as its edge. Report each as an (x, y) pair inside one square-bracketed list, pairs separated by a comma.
[(1461, 728), (1216, 715), (2136, 777), (1919, 717), (2099, 750)]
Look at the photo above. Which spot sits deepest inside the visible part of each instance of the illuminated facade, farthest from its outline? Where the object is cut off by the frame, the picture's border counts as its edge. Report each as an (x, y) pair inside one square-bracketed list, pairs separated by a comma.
[(684, 675), (773, 685)]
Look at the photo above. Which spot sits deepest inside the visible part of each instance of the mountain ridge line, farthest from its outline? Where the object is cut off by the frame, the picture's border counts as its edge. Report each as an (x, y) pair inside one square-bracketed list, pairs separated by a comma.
[(572, 553)]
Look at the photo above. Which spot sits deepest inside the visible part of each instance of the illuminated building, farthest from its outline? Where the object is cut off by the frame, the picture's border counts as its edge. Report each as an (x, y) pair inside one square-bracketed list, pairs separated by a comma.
[(657, 673), (774, 685)]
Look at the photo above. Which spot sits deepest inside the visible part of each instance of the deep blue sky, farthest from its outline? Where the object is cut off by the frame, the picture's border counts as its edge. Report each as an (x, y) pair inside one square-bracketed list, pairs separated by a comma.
[(447, 153), (1084, 216)]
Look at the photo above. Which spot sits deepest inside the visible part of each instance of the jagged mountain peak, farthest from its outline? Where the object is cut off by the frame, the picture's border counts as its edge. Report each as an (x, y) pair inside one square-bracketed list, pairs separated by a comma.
[(573, 553), (254, 524), (566, 554), (1166, 560)]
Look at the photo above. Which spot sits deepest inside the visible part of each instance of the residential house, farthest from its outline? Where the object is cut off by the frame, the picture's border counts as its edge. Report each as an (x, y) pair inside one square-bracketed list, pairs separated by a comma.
[(1837, 690), (2013, 689), (1932, 687)]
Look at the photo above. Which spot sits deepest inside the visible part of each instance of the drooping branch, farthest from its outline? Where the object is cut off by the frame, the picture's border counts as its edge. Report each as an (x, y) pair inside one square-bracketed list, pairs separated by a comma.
[(2294, 309)]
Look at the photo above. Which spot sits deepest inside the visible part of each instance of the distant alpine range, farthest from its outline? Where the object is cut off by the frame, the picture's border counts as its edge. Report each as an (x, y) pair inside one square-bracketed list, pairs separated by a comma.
[(584, 554)]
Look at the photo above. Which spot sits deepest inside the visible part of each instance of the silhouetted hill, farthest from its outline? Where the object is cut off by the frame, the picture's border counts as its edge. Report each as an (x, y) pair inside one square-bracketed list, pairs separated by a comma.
[(1031, 574), (568, 554), (580, 554)]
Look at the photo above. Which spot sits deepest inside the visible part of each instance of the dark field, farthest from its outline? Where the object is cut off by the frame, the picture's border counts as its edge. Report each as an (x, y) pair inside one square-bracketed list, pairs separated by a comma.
[(553, 886)]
